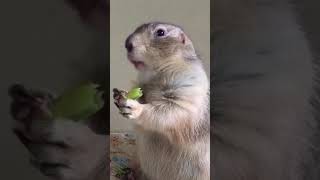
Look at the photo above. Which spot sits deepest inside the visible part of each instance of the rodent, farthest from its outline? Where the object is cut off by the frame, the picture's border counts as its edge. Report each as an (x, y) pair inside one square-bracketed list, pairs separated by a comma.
[(172, 119)]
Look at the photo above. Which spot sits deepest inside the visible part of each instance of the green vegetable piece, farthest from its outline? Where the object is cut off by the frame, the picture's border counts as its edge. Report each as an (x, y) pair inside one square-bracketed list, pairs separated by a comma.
[(134, 93), (78, 103)]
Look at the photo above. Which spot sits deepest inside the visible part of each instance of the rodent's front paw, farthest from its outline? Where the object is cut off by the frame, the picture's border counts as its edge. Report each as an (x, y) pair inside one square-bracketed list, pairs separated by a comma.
[(63, 149), (129, 108), (27, 104), (119, 97)]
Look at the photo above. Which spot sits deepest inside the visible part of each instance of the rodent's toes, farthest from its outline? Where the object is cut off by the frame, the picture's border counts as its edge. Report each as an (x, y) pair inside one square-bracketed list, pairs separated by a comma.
[(120, 97), (20, 111), (18, 91), (27, 103)]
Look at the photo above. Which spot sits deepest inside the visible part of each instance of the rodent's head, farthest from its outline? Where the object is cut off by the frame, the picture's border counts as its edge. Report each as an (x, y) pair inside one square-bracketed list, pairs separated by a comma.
[(154, 43)]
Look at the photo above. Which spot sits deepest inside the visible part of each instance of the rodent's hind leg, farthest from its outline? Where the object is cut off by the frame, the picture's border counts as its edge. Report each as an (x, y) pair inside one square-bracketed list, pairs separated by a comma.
[(136, 174)]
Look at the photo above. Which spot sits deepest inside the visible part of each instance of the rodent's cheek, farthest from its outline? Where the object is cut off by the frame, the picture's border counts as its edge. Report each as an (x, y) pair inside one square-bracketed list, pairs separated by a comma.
[(140, 49), (139, 54)]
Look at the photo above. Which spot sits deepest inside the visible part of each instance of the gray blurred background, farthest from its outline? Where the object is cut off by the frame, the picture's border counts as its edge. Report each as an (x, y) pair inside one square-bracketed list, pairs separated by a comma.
[(125, 16), (43, 44)]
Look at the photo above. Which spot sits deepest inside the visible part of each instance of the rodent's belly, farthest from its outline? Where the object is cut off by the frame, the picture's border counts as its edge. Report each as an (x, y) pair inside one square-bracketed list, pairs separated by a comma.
[(160, 160)]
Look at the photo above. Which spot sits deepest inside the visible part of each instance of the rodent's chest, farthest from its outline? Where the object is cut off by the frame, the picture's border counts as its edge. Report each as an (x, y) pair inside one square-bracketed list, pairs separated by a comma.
[(157, 92), (151, 93)]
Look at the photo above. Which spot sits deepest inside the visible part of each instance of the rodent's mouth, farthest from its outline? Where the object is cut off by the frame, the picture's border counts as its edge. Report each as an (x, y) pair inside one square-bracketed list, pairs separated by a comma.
[(140, 65)]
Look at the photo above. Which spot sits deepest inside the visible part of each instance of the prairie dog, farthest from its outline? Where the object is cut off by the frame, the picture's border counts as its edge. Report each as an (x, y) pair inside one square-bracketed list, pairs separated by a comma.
[(172, 118)]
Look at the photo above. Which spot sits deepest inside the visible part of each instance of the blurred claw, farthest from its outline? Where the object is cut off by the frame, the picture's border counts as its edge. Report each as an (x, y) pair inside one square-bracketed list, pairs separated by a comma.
[(28, 104)]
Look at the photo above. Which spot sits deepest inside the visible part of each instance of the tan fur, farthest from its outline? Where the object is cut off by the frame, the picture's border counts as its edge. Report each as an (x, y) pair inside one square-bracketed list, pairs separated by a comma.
[(172, 120), (263, 77)]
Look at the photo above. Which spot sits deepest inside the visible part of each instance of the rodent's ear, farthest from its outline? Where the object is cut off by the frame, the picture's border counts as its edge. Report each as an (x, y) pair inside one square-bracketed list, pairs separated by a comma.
[(183, 38)]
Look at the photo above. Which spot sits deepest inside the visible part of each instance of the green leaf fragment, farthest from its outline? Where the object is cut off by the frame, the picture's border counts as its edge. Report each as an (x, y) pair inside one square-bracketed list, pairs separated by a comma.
[(78, 103), (134, 93)]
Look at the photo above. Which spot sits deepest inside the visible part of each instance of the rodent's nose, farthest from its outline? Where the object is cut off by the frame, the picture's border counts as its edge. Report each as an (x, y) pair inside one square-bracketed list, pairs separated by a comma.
[(128, 44), (129, 47)]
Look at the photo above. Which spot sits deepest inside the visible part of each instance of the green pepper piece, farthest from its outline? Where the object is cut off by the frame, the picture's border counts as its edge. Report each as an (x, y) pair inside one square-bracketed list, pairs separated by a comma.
[(78, 103), (134, 93)]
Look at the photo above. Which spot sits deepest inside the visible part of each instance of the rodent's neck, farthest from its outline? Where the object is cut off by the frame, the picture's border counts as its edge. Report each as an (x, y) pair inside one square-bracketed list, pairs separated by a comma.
[(170, 68), (145, 76), (189, 53)]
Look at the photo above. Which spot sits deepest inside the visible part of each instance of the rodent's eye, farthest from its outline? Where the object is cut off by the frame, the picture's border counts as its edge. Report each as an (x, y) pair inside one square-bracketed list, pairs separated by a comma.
[(160, 32)]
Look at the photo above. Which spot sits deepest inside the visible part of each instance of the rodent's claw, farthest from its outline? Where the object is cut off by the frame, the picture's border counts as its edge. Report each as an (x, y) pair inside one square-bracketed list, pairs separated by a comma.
[(125, 111), (119, 96), (126, 115), (130, 109)]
